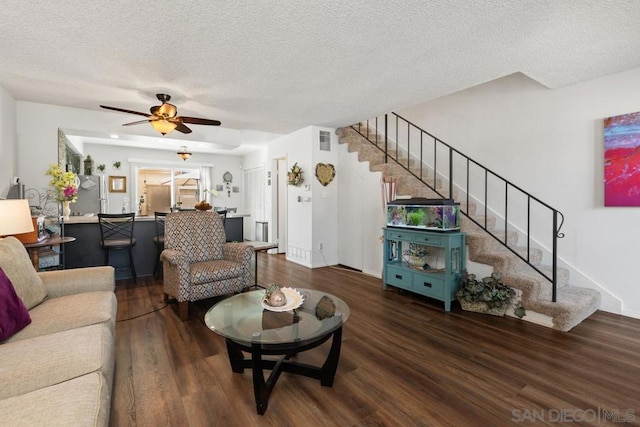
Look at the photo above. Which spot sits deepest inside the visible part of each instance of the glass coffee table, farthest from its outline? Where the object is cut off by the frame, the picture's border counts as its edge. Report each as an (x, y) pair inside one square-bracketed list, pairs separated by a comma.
[(248, 327)]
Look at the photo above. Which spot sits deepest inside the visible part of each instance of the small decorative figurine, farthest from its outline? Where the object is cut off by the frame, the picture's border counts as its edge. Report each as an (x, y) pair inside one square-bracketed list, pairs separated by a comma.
[(274, 296)]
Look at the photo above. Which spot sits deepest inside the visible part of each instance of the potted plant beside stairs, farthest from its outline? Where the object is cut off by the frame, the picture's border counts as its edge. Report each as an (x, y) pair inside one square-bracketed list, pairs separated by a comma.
[(488, 295)]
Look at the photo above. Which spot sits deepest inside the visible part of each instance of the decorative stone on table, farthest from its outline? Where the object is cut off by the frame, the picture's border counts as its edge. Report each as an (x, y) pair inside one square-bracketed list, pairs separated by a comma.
[(325, 308)]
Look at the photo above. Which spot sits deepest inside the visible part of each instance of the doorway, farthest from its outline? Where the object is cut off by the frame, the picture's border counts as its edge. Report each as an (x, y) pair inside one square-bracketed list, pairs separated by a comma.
[(254, 199), (279, 193), (166, 189)]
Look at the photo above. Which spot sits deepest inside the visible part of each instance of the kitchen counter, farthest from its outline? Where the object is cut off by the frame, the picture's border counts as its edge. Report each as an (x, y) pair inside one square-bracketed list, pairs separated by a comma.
[(86, 250), (82, 219)]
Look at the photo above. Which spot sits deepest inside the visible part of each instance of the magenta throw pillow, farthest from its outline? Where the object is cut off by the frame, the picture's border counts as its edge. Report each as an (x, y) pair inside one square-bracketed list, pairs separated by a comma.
[(13, 314)]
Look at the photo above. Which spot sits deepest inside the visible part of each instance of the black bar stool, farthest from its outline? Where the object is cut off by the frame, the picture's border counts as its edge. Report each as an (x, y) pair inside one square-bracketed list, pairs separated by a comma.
[(116, 231), (223, 215), (158, 240)]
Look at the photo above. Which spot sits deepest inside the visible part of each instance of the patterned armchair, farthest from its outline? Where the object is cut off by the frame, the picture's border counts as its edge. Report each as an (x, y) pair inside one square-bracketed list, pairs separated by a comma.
[(197, 261)]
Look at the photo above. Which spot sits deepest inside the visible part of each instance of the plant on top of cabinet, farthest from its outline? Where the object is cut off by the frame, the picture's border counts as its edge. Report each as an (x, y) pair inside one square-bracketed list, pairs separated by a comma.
[(116, 164)]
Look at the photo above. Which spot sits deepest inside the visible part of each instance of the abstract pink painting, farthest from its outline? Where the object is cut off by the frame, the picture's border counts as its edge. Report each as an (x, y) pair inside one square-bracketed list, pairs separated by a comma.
[(622, 160)]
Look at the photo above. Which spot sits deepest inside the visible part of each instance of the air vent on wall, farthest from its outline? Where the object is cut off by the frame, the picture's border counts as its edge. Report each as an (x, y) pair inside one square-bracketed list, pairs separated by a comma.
[(325, 140)]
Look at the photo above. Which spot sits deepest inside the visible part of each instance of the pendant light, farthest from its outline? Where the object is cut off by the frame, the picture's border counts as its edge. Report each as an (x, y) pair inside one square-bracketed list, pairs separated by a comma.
[(183, 153)]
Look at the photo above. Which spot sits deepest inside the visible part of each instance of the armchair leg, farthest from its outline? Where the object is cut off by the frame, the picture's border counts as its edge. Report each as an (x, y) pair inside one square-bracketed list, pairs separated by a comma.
[(183, 310)]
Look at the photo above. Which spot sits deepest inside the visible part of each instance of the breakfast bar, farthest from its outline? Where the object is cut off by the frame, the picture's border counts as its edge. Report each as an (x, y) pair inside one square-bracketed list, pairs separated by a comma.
[(86, 250)]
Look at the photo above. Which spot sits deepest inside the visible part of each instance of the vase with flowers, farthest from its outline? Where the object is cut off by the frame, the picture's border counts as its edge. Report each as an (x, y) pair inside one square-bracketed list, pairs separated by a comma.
[(65, 187)]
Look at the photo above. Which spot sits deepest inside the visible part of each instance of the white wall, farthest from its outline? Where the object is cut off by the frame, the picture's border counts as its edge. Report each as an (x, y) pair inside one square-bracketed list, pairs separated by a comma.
[(37, 133), (296, 148), (324, 201), (258, 160), (8, 141), (38, 136), (37, 129), (361, 217), (550, 143), (312, 213), (220, 163)]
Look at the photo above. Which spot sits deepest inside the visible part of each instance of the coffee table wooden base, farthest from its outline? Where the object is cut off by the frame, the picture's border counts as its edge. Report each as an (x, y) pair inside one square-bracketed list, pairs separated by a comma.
[(262, 389)]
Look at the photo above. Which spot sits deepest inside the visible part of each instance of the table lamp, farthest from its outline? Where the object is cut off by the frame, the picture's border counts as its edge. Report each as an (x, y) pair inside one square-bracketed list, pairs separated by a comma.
[(15, 217)]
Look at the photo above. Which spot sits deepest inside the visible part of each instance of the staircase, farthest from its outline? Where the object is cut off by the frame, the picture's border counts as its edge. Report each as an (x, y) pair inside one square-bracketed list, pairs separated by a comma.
[(572, 304)]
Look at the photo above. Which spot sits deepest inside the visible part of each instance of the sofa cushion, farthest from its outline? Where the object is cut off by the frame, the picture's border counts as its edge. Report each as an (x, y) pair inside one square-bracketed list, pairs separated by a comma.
[(13, 314), (28, 365), (83, 401), (15, 262), (69, 312), (60, 283), (212, 271)]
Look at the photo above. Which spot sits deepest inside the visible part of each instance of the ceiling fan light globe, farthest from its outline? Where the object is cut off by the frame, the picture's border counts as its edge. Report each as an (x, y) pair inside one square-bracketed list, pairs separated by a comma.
[(167, 110), (163, 126)]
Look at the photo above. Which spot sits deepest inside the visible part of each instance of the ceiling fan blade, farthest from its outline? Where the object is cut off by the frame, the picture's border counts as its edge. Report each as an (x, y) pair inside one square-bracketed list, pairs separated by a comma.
[(199, 121), (122, 110), (136, 123), (182, 128)]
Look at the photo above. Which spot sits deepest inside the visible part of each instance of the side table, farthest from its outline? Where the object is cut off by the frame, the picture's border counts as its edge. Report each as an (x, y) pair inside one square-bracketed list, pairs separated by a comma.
[(257, 248), (34, 248)]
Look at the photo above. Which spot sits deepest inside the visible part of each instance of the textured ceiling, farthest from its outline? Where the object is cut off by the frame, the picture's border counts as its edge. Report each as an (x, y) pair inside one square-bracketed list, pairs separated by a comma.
[(280, 65)]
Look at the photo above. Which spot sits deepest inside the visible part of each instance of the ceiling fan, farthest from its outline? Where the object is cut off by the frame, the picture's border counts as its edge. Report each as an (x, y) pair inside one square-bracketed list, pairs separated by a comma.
[(164, 118)]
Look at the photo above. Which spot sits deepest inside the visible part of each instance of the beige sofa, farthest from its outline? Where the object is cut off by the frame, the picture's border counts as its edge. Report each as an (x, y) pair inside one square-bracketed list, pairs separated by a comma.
[(58, 370)]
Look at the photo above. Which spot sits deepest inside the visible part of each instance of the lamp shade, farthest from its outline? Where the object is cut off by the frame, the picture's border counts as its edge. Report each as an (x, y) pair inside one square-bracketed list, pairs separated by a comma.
[(15, 217), (163, 126)]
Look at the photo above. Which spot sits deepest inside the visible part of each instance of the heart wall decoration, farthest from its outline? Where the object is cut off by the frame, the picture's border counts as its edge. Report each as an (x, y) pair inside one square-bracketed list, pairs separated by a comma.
[(325, 172)]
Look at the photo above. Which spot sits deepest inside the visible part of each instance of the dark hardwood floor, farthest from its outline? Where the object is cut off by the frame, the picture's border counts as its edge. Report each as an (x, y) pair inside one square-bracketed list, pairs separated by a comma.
[(404, 362)]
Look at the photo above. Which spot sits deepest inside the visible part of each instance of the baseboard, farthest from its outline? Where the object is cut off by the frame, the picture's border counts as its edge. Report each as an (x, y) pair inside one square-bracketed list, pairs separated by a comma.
[(533, 317), (376, 274), (631, 313)]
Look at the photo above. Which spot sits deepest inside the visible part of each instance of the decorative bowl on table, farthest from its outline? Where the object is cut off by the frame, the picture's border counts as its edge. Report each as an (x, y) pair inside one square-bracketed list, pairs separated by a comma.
[(292, 300), (203, 206)]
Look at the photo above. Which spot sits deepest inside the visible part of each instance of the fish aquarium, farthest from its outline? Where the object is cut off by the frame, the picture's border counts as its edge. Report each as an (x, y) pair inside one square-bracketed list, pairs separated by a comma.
[(424, 214)]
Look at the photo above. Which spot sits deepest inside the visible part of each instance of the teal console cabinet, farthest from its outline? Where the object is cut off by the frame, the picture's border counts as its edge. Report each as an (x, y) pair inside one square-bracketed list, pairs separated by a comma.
[(427, 263)]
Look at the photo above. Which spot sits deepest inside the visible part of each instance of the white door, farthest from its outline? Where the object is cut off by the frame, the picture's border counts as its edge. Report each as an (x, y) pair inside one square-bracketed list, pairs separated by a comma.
[(350, 228), (281, 181), (254, 200)]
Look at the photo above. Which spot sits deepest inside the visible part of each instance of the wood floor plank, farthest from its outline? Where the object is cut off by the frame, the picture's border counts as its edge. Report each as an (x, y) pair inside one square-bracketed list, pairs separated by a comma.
[(404, 361)]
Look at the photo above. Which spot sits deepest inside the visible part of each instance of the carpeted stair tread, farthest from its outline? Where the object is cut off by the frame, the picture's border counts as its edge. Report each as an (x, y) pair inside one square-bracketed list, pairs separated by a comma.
[(572, 306), (500, 261), (562, 278), (470, 209), (480, 240), (480, 219), (535, 256)]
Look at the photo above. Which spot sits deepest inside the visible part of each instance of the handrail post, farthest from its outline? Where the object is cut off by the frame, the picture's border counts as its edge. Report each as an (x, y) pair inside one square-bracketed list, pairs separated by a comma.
[(554, 261), (450, 173), (421, 133), (386, 139), (376, 131), (408, 146), (397, 139), (506, 213)]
